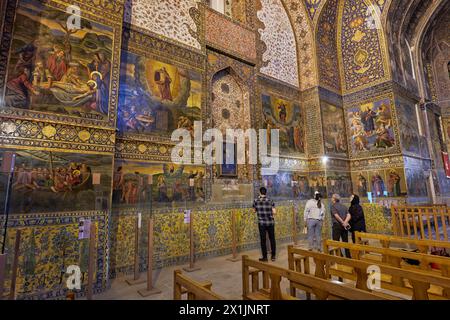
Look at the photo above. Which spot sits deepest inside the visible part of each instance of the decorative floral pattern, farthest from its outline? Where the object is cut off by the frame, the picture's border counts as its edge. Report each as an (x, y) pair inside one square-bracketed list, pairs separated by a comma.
[(280, 58), (169, 18)]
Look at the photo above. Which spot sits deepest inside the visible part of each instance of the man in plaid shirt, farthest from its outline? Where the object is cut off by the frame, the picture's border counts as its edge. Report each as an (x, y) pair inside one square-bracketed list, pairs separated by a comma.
[(265, 209)]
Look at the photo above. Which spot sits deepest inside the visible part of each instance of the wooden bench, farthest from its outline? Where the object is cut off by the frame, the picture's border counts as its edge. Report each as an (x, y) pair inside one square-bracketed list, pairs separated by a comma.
[(396, 258), (195, 290), (322, 288), (410, 221), (415, 284), (388, 241)]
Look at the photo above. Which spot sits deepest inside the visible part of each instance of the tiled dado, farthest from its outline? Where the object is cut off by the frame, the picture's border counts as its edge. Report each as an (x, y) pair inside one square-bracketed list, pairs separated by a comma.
[(49, 244)]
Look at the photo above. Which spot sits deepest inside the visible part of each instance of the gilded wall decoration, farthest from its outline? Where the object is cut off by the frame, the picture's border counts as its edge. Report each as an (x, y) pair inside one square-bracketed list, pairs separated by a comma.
[(60, 74), (327, 47), (59, 137), (46, 181), (280, 59), (313, 7), (371, 127), (361, 46), (306, 49), (141, 184), (143, 149), (173, 19), (313, 128), (157, 97), (287, 117), (226, 35)]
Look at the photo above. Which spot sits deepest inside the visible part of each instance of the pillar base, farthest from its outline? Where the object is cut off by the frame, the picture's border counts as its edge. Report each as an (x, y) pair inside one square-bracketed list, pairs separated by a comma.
[(147, 293), (236, 259), (189, 269), (133, 282)]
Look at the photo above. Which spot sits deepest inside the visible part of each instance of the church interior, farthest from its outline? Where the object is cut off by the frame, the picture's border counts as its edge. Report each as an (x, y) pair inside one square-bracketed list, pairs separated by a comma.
[(94, 207)]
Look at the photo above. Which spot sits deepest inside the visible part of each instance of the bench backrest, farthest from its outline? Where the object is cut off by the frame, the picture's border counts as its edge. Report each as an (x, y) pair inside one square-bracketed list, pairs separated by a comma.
[(419, 280), (194, 289), (393, 257), (412, 221), (322, 288), (424, 246)]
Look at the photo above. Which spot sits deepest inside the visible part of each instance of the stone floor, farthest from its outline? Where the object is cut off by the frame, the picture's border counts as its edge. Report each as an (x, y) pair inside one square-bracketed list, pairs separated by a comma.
[(226, 278)]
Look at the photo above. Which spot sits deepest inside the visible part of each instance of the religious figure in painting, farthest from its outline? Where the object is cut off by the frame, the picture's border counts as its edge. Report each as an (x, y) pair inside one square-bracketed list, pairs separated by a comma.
[(163, 79), (384, 139), (367, 118), (156, 97), (362, 185), (19, 91), (282, 114), (46, 65), (377, 185), (393, 184), (287, 118), (371, 126)]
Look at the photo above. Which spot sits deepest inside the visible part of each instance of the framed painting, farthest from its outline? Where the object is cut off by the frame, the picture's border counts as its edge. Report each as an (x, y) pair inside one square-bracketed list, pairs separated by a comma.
[(58, 71), (229, 170)]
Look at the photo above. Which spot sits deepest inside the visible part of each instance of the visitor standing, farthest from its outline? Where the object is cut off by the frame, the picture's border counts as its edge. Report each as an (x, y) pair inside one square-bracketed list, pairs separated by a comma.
[(313, 215), (265, 209), (357, 221), (340, 218)]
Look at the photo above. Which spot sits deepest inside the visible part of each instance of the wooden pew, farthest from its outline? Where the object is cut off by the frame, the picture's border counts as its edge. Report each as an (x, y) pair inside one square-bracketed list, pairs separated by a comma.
[(322, 288), (395, 258), (388, 241), (195, 290), (411, 221), (415, 284)]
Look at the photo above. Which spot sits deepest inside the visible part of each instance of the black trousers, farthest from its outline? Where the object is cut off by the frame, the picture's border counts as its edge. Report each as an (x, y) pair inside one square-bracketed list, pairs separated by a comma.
[(338, 233), (262, 234)]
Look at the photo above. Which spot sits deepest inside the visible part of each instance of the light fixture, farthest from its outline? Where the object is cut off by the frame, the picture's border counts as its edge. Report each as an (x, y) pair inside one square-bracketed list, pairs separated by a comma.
[(324, 160)]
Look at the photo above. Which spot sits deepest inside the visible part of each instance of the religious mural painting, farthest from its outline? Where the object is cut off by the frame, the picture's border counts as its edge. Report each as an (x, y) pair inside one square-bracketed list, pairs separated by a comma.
[(45, 181), (157, 97), (380, 183), (412, 141), (55, 69), (288, 185), (371, 127), (416, 182), (286, 116), (143, 184), (340, 183), (333, 129)]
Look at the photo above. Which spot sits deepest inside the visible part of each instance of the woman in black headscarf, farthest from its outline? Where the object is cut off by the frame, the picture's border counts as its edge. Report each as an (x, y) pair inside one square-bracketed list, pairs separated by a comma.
[(357, 221)]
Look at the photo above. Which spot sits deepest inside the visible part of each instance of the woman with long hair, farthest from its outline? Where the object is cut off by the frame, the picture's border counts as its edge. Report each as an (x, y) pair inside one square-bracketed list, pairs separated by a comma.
[(313, 215), (357, 220)]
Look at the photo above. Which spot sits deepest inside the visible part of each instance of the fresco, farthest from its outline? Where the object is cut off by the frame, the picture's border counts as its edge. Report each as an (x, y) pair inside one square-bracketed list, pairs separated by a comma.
[(287, 185), (156, 97), (287, 117), (142, 184), (412, 142), (54, 181), (417, 183), (340, 183), (56, 69), (381, 183), (371, 126), (333, 129)]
